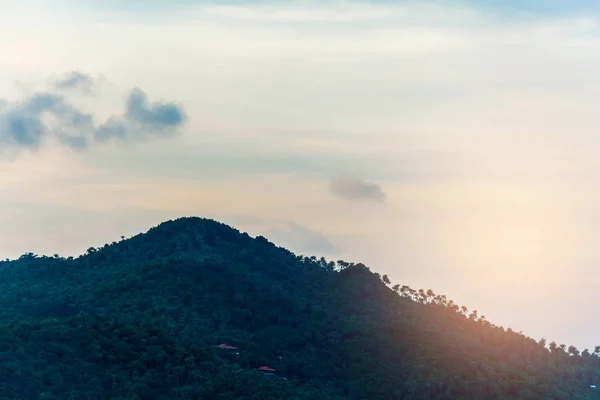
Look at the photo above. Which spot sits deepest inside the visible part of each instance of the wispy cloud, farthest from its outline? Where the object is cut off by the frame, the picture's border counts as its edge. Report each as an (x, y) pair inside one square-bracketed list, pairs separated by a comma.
[(352, 188), (75, 80), (46, 117), (302, 240)]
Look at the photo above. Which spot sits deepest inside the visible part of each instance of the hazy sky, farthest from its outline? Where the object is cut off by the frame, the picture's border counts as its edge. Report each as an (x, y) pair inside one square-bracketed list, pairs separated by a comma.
[(451, 145)]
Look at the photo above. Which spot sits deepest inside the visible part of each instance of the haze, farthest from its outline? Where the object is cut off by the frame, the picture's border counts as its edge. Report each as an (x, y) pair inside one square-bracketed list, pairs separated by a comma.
[(452, 146)]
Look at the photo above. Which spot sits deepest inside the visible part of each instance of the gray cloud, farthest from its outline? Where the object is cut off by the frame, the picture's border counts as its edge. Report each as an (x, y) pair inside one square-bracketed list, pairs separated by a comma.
[(75, 80), (28, 124), (142, 118), (113, 128), (158, 115), (302, 240), (351, 187), (45, 117)]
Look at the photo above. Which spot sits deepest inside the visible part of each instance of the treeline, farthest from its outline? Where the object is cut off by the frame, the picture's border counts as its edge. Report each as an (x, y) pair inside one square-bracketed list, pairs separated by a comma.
[(141, 318)]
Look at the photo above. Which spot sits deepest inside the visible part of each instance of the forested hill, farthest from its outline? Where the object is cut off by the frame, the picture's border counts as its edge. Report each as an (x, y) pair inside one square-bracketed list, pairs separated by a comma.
[(194, 309)]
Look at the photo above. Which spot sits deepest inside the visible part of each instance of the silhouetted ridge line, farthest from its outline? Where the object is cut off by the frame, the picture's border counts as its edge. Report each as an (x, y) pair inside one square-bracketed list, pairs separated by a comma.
[(193, 309)]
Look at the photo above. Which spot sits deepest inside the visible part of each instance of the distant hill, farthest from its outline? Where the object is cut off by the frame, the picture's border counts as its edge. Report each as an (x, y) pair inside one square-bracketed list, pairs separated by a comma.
[(194, 309)]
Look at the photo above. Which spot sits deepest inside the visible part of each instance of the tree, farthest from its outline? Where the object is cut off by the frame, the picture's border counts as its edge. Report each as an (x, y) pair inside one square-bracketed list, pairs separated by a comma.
[(143, 319), (573, 351), (386, 280)]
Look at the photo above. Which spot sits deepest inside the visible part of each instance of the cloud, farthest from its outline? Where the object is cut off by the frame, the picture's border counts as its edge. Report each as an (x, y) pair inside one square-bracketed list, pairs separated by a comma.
[(28, 124), (302, 240), (44, 117), (351, 187), (75, 80), (158, 115), (142, 118), (403, 96)]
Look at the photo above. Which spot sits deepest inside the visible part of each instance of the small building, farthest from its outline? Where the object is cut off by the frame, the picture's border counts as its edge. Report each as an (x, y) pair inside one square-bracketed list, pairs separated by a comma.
[(267, 370), (225, 346)]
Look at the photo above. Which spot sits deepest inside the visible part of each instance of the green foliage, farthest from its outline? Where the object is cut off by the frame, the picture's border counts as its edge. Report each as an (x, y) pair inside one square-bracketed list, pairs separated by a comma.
[(141, 318)]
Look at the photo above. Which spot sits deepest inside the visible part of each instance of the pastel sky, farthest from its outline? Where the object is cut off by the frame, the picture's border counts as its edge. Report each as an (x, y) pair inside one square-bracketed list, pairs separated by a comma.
[(450, 145)]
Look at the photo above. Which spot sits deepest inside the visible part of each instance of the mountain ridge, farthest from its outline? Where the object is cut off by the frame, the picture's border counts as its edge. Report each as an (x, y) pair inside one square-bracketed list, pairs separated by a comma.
[(146, 314)]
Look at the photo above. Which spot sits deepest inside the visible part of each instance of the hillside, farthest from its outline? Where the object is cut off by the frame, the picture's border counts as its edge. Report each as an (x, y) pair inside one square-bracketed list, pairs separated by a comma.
[(143, 318)]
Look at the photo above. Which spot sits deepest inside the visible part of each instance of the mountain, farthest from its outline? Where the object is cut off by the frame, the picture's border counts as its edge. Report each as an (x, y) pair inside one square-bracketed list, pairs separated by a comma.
[(194, 309)]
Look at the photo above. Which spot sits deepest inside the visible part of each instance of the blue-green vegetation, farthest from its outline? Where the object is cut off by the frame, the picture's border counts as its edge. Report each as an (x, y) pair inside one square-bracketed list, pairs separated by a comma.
[(193, 309)]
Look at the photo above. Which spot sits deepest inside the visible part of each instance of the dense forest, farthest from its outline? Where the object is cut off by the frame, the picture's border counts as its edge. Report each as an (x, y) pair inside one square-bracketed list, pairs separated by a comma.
[(194, 309)]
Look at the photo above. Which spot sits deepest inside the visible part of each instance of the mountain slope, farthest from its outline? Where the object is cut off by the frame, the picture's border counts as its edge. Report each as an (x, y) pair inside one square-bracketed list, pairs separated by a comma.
[(143, 317)]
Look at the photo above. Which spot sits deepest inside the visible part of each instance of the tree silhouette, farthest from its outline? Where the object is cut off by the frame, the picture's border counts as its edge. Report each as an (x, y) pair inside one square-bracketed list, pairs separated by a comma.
[(143, 318)]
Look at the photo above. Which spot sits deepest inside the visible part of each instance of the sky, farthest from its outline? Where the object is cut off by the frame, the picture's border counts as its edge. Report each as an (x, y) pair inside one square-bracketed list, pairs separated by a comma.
[(451, 145)]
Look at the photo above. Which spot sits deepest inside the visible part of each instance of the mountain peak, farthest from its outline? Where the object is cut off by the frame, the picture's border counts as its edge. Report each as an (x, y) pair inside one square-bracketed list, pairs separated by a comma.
[(143, 318)]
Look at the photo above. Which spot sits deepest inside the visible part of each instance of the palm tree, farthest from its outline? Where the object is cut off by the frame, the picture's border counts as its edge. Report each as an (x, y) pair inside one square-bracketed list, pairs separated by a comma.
[(444, 299), (422, 296), (573, 350), (585, 353), (405, 290), (386, 280), (430, 295)]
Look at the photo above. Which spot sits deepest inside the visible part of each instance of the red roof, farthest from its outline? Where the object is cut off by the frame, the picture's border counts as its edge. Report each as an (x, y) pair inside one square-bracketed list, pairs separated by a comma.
[(266, 369), (226, 346)]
